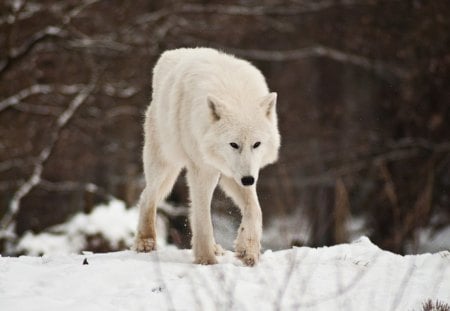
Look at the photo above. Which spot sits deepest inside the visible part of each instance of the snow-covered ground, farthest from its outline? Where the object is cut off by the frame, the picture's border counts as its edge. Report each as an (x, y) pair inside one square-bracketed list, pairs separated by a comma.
[(356, 276)]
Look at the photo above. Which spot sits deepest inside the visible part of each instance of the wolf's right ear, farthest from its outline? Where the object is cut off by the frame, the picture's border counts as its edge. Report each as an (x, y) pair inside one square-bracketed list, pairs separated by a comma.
[(216, 107)]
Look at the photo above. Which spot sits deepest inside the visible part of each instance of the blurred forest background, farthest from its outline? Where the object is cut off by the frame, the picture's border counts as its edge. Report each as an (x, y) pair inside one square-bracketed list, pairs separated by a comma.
[(364, 98)]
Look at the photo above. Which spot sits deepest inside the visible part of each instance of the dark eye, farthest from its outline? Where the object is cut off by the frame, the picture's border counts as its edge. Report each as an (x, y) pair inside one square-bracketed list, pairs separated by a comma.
[(234, 145), (256, 145)]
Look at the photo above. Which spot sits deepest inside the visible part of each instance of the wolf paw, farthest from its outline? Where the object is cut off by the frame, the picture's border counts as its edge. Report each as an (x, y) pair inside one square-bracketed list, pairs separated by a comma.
[(248, 258), (144, 245), (218, 250), (247, 250), (206, 260)]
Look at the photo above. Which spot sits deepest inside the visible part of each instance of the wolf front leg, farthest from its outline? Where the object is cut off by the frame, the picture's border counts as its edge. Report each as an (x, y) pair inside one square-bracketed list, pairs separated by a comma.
[(248, 241), (202, 183)]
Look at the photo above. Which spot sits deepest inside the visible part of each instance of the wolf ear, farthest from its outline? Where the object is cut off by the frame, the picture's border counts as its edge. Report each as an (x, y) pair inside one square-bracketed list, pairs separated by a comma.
[(216, 107), (268, 104)]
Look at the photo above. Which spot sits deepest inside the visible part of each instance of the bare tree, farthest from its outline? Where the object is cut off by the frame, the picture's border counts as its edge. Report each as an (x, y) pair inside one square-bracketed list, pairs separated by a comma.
[(363, 105)]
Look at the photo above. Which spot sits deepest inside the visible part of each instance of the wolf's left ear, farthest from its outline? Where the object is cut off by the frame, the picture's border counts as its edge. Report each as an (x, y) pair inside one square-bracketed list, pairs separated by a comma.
[(268, 104)]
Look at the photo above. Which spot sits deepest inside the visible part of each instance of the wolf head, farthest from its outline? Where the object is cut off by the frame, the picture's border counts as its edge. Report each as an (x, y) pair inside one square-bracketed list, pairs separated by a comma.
[(239, 143)]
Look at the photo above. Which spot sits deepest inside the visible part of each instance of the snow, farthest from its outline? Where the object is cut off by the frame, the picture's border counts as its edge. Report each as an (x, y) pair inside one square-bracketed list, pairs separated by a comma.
[(356, 276), (113, 221)]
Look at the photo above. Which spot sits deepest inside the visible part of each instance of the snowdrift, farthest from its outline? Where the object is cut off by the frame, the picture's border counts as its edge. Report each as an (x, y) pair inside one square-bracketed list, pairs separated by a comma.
[(356, 276)]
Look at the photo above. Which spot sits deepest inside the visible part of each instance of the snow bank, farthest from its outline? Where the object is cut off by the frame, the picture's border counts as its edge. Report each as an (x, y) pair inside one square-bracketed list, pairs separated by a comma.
[(113, 222), (115, 225), (357, 276)]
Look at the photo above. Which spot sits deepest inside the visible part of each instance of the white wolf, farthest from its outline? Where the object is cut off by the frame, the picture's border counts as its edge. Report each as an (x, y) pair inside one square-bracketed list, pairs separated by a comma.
[(212, 114)]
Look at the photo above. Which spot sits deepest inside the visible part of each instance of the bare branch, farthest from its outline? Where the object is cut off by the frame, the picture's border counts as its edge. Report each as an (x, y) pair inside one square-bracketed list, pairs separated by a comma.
[(327, 52), (60, 31), (17, 53), (73, 186), (7, 225), (32, 8), (39, 89), (121, 91), (99, 43), (301, 8), (28, 10), (152, 17), (18, 14), (43, 110), (77, 10)]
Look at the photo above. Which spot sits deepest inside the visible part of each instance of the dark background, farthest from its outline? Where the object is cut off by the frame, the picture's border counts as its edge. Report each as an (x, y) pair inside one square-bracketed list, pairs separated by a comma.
[(363, 109)]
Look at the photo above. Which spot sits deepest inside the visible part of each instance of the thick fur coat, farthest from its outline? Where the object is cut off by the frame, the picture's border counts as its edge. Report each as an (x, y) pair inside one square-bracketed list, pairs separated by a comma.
[(212, 114)]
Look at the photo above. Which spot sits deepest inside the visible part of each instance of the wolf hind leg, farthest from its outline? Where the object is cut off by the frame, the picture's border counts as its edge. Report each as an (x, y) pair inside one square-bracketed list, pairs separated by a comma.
[(159, 184)]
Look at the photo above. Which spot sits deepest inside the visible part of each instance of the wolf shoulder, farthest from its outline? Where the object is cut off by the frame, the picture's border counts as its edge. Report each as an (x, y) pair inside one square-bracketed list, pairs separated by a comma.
[(177, 61)]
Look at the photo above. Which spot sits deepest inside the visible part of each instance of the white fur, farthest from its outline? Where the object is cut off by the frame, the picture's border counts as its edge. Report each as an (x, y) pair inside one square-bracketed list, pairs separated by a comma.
[(202, 101)]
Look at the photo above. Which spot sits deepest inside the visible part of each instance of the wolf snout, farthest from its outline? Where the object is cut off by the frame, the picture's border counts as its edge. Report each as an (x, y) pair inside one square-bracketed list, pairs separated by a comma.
[(247, 180)]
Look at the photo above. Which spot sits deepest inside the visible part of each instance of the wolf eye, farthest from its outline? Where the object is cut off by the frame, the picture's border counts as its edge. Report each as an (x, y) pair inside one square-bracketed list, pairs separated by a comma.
[(234, 145), (256, 145)]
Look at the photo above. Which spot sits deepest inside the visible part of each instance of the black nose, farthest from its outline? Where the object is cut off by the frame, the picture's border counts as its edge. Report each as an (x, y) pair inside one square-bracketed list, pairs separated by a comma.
[(247, 180)]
